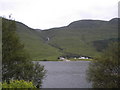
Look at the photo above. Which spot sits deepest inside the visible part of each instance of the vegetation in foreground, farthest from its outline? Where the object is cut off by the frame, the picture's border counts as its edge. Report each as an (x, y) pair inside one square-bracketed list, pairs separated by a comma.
[(16, 63), (18, 84), (104, 71)]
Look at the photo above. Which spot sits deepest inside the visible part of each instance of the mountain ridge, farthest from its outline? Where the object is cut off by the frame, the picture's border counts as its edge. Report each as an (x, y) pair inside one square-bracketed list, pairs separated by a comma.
[(87, 39), (115, 20), (82, 36)]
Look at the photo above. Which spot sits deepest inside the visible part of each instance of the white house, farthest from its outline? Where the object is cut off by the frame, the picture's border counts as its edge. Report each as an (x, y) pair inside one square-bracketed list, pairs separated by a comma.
[(75, 58), (83, 57), (61, 58), (87, 58)]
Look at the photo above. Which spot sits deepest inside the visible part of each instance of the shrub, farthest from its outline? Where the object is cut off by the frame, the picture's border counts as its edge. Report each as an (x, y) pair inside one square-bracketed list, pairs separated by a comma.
[(18, 84), (0, 86)]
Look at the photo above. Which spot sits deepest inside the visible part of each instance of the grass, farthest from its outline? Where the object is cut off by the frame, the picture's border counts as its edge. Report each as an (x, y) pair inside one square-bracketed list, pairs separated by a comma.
[(68, 59), (37, 48), (64, 40), (80, 59)]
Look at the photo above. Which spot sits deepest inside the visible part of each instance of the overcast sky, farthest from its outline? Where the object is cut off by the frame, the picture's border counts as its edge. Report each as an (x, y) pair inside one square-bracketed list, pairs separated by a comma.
[(44, 14)]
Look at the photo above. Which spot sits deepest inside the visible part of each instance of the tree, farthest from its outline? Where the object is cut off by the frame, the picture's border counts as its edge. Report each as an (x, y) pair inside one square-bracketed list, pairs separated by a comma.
[(16, 62), (104, 71)]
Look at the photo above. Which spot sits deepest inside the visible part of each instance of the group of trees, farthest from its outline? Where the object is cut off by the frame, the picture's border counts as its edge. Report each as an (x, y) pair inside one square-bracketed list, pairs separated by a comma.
[(16, 63), (103, 72)]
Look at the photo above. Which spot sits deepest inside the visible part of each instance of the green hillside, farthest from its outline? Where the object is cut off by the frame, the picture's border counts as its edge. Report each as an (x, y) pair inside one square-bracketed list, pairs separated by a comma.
[(80, 37), (37, 48), (84, 37)]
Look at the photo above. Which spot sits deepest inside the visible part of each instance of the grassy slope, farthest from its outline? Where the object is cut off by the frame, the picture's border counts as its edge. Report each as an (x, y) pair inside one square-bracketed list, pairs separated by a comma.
[(71, 39), (80, 40), (37, 48)]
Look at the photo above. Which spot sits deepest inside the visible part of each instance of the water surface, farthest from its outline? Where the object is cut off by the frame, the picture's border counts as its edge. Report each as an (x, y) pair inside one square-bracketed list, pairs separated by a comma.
[(65, 74)]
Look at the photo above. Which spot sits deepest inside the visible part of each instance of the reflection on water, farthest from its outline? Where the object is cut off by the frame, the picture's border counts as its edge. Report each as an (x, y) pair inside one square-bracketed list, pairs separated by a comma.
[(66, 74)]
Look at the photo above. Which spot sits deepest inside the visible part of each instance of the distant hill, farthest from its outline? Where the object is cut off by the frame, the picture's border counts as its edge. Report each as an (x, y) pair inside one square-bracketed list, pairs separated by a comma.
[(35, 45), (83, 37)]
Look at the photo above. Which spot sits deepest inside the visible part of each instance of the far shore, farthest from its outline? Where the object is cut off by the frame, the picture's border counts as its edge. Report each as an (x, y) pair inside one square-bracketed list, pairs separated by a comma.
[(67, 60)]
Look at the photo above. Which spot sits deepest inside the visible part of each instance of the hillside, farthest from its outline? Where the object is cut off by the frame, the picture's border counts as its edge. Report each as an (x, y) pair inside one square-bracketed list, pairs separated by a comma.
[(83, 37), (37, 48)]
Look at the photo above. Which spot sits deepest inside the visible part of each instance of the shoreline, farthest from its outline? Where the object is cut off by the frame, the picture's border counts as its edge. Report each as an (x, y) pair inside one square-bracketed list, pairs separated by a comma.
[(66, 60)]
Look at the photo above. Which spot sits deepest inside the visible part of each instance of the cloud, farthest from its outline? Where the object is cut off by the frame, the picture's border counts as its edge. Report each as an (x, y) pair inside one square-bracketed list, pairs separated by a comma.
[(119, 9), (54, 13)]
